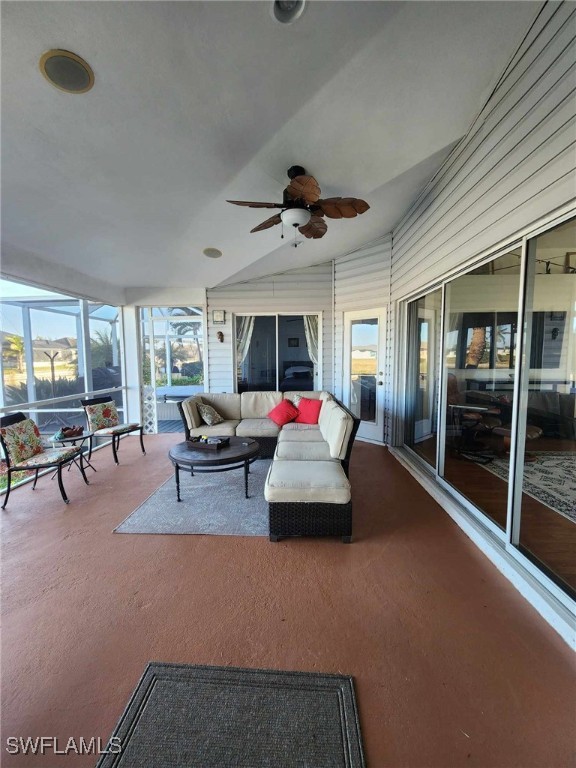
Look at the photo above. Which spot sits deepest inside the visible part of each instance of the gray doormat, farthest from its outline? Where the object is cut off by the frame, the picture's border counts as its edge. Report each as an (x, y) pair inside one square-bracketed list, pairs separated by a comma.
[(183, 716), (212, 503)]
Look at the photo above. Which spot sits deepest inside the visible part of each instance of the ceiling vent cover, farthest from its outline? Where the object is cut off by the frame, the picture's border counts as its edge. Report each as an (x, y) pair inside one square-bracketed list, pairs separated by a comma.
[(287, 11), (66, 71), (212, 253)]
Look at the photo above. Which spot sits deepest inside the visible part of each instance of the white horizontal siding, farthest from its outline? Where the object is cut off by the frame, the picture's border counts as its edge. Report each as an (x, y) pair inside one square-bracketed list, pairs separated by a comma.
[(516, 165), (300, 291)]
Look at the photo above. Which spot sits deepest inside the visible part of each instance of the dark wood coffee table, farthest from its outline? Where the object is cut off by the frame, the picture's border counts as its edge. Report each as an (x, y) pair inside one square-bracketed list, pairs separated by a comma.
[(240, 452)]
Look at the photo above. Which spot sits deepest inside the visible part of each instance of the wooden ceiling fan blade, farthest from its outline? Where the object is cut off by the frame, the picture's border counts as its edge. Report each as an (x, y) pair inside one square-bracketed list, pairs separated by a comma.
[(360, 205), (268, 223), (346, 208), (249, 204), (304, 188), (342, 207), (329, 207), (315, 228)]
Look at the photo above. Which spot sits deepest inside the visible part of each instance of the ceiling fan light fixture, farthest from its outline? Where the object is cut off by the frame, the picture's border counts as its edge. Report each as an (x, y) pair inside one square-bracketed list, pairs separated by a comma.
[(287, 11), (295, 217)]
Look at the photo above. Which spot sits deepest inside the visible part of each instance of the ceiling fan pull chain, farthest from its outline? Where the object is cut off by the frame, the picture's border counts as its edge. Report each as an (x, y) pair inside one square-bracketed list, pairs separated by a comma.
[(282, 235)]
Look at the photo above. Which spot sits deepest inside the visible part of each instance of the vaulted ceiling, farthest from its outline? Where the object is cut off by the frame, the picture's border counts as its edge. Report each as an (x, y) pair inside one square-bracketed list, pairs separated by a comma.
[(195, 103)]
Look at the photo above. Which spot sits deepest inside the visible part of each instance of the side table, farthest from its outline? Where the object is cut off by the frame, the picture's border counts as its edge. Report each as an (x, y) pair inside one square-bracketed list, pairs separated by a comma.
[(81, 439)]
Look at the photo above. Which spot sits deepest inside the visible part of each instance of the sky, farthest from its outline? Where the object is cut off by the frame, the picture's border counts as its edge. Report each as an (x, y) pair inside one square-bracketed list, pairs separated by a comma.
[(45, 325), (10, 290)]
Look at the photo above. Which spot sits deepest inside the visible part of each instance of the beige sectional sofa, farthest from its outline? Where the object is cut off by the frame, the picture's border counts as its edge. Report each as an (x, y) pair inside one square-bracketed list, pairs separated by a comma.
[(307, 487), (245, 415)]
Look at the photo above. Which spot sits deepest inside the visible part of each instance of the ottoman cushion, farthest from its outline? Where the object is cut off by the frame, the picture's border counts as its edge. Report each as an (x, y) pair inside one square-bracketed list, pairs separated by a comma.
[(302, 481)]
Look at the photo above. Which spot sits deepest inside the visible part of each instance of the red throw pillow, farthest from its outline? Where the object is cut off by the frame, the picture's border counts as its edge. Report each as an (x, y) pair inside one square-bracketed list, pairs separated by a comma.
[(309, 410), (284, 412)]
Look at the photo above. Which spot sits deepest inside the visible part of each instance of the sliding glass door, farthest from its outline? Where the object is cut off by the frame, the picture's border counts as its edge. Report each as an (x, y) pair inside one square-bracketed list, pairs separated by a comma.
[(277, 352), (497, 390), (424, 318), (480, 333), (256, 349), (545, 503)]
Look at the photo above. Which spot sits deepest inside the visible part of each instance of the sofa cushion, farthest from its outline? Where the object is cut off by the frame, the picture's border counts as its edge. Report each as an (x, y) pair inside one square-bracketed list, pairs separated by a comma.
[(326, 412), (309, 410), (226, 428), (209, 415), (283, 413), (316, 395), (303, 451), (292, 426), (257, 405), (302, 435), (337, 429), (303, 481), (190, 411), (257, 428), (226, 403)]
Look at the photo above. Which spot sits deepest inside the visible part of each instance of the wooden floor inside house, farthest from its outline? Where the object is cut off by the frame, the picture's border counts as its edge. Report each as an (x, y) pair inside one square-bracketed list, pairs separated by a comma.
[(452, 666)]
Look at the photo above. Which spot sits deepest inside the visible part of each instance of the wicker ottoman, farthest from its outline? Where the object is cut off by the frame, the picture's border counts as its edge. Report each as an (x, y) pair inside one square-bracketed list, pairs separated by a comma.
[(308, 499)]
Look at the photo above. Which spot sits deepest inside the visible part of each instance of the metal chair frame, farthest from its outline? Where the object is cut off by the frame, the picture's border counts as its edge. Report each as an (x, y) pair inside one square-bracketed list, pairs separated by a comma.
[(115, 438), (15, 418)]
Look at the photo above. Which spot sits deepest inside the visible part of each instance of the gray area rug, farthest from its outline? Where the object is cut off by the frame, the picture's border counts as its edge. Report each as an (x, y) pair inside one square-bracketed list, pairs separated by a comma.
[(212, 503), (551, 479), (183, 716)]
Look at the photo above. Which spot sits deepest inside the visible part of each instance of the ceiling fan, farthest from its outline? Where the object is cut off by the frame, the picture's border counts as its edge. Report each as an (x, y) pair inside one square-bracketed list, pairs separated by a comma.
[(303, 208)]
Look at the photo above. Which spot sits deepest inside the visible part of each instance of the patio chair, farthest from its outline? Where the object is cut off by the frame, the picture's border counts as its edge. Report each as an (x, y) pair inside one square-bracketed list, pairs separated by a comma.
[(473, 415), (103, 421), (23, 451)]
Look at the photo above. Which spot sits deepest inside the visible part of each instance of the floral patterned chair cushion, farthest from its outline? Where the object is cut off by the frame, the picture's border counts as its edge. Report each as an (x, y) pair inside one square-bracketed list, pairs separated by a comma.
[(22, 441), (119, 429), (50, 456), (102, 416)]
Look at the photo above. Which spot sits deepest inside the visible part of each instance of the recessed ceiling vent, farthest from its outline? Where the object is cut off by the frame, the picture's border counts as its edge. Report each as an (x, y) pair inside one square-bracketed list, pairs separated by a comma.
[(66, 71), (212, 253), (287, 11)]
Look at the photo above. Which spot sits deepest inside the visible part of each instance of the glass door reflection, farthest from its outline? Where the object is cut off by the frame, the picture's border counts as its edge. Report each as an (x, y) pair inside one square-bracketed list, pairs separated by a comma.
[(423, 374), (545, 504), (480, 329)]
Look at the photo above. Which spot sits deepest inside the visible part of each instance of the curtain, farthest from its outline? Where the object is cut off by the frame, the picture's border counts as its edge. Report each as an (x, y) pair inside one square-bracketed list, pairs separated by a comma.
[(311, 331), (244, 328)]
